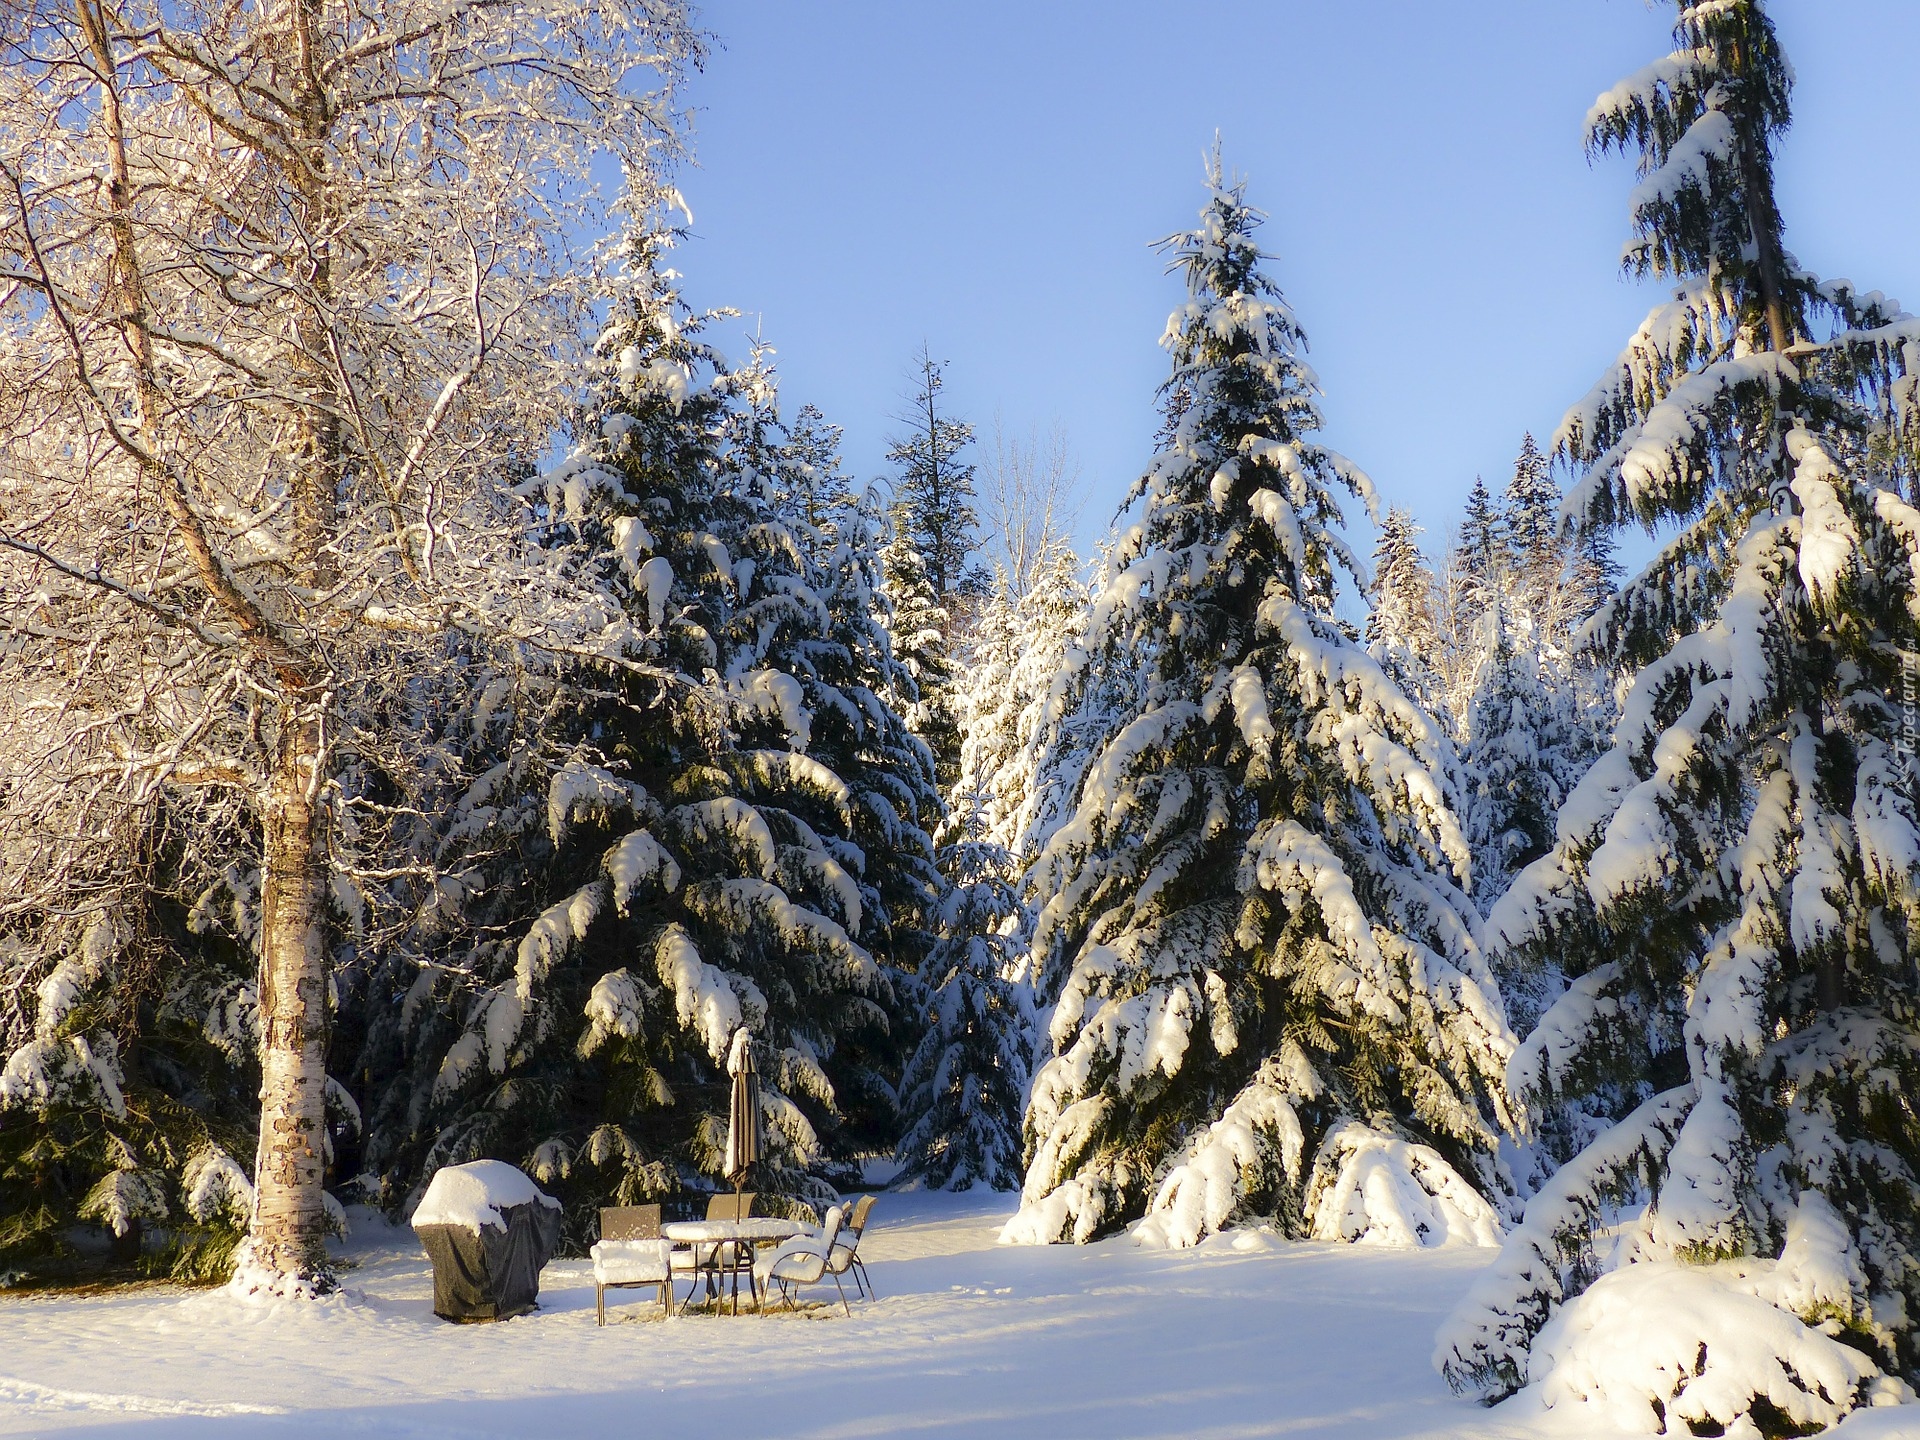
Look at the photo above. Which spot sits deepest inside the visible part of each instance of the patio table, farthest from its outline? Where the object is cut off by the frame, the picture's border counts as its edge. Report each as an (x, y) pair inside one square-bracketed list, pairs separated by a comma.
[(754, 1230)]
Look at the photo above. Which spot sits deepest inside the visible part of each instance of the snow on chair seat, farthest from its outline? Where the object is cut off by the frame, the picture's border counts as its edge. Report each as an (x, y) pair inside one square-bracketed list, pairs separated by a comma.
[(631, 1262), (630, 1253)]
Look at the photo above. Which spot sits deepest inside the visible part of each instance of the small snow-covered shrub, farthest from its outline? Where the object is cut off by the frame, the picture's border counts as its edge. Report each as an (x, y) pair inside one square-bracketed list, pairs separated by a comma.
[(1782, 1345), (1664, 1348)]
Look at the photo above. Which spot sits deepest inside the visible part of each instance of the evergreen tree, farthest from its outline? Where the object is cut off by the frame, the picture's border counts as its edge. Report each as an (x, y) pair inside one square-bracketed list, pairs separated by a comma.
[(844, 661), (747, 850), (818, 492), (1018, 650), (1069, 709), (1477, 574), (1483, 548), (1596, 572), (1736, 883), (933, 484), (919, 626), (962, 1094), (931, 584), (1509, 803), (1531, 504), (1535, 714), (961, 1091), (1537, 554), (1268, 997), (1534, 728), (1401, 630), (131, 1081), (1402, 594)]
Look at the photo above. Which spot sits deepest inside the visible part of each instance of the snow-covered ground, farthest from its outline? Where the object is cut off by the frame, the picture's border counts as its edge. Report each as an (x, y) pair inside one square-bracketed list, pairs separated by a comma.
[(969, 1338)]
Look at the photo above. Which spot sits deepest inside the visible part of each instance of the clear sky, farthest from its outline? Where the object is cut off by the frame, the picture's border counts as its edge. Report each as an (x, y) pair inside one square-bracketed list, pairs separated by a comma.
[(988, 177)]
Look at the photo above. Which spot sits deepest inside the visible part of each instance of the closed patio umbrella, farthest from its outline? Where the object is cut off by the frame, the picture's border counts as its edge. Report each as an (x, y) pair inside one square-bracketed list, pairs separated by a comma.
[(743, 1110)]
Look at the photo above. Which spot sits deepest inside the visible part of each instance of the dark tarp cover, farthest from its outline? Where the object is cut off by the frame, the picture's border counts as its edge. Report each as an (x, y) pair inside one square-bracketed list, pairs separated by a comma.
[(487, 1271)]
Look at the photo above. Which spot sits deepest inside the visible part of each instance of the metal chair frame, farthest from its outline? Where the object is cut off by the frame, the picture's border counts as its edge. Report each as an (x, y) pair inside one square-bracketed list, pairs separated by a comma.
[(848, 1243), (829, 1235)]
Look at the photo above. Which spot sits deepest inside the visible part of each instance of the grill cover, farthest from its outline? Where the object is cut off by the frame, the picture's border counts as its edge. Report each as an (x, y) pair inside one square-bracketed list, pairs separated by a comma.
[(483, 1270)]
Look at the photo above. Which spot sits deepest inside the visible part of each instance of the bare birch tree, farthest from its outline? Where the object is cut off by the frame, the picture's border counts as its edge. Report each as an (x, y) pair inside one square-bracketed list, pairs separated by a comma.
[(286, 304), (1030, 498)]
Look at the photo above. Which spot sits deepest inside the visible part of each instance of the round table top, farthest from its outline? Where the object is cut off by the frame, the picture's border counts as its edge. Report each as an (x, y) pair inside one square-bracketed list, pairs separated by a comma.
[(754, 1227)]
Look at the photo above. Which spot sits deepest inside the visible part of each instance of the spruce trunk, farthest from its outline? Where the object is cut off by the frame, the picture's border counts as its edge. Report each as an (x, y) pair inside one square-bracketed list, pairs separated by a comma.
[(289, 1223)]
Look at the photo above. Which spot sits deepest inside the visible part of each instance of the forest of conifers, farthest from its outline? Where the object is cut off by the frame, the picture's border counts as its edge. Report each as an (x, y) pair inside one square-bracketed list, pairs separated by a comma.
[(443, 698)]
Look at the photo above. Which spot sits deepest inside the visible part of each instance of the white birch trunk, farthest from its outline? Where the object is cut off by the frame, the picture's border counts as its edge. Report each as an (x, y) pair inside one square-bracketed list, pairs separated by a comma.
[(289, 1223)]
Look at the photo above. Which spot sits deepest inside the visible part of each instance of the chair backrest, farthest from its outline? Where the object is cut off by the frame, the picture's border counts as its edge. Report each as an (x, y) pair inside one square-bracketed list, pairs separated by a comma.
[(862, 1208), (630, 1222), (731, 1207), (805, 1259)]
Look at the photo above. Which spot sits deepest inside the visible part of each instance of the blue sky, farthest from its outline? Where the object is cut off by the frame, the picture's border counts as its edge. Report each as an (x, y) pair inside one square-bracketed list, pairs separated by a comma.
[(988, 177)]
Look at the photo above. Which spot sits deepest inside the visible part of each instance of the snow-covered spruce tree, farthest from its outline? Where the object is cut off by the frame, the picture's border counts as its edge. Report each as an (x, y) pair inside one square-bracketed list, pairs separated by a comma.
[(1737, 881), (1537, 710), (1476, 573), (963, 1092), (1508, 792), (931, 583), (125, 1098), (846, 662), (1401, 632), (1597, 571), (1559, 577), (933, 483), (1530, 710), (816, 489), (1077, 708), (1018, 651), (1483, 550), (920, 627), (286, 293), (1530, 515), (700, 866), (1269, 996), (1536, 721), (962, 1088)]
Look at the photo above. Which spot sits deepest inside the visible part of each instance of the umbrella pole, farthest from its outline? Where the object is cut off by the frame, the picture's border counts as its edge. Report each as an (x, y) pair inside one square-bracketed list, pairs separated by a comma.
[(739, 1188)]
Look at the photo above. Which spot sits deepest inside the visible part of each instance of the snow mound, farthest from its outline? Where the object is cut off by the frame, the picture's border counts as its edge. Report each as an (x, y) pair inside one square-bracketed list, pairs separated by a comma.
[(1662, 1341), (1376, 1189), (43, 1398), (473, 1195)]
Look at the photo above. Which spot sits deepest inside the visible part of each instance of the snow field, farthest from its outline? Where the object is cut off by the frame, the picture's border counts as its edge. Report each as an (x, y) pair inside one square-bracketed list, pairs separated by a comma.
[(1245, 1335)]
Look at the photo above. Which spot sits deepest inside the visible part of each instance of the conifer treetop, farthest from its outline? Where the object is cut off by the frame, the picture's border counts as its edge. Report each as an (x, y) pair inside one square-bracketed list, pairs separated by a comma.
[(934, 488)]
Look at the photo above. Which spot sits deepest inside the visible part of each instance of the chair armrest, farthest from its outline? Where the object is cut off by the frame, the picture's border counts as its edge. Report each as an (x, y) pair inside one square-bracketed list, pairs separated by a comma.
[(800, 1246)]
